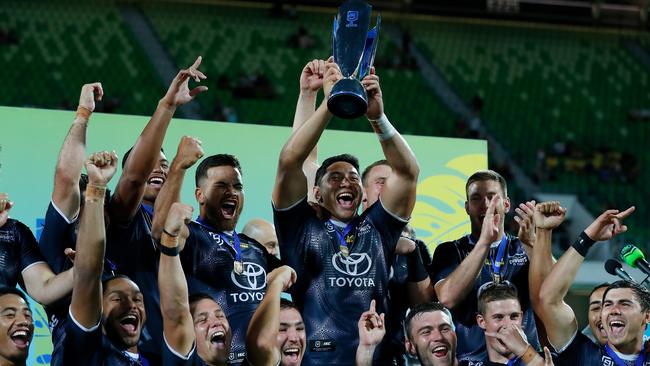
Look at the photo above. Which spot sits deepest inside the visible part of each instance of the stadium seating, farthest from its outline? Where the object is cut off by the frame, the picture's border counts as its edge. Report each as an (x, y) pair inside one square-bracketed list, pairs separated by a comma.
[(59, 46), (543, 85)]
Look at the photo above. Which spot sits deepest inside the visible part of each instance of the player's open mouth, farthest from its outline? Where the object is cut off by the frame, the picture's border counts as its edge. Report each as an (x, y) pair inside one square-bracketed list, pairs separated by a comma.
[(21, 338), (218, 338), (440, 351), (291, 354), (156, 181), (345, 200), (616, 327), (130, 324), (228, 209)]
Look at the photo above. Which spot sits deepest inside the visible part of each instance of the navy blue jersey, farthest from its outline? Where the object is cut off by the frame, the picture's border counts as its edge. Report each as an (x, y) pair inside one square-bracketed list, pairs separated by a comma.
[(448, 256), (85, 347), (208, 263), (18, 250), (582, 351), (173, 358), (514, 362), (133, 251), (58, 233), (333, 290)]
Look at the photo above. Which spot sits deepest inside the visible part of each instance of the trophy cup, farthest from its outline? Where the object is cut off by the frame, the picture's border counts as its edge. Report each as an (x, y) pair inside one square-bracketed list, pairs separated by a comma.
[(354, 51)]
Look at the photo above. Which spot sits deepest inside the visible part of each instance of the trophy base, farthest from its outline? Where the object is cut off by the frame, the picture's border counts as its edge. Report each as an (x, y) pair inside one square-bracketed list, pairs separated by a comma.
[(348, 99)]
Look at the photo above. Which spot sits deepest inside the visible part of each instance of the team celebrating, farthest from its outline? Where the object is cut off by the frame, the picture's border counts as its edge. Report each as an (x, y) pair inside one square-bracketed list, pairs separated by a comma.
[(136, 277)]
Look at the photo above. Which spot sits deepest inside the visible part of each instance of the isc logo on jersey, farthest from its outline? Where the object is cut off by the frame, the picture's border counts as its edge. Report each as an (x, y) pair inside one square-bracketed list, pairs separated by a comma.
[(353, 268), (252, 281)]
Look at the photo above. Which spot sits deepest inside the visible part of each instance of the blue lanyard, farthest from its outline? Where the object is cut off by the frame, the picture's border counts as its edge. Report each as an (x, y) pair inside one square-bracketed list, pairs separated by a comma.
[(617, 360), (498, 261), (344, 234), (224, 237), (512, 361), (148, 209)]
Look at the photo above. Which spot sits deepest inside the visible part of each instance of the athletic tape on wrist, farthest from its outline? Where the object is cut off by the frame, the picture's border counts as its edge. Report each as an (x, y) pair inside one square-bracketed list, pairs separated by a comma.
[(169, 245), (383, 128), (94, 193), (83, 112)]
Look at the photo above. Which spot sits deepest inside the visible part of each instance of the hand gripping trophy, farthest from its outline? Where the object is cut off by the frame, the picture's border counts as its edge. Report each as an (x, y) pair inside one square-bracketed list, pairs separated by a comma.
[(354, 52)]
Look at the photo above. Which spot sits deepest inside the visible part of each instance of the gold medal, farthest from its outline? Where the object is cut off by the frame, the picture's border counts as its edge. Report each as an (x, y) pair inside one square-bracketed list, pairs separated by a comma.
[(238, 267), (344, 250), (496, 278)]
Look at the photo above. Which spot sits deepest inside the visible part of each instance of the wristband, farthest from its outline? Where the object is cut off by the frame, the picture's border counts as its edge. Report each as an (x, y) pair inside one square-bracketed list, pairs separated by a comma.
[(583, 243), (83, 113), (383, 128), (415, 270), (169, 245), (529, 355), (95, 193)]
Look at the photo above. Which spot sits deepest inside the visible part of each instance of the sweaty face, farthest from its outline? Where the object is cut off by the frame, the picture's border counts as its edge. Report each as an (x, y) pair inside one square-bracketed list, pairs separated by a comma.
[(434, 340), (623, 319), (123, 312), (595, 323), (16, 329), (156, 179), (291, 338), (213, 335), (375, 180), (221, 197), (499, 314), (340, 191), (479, 194)]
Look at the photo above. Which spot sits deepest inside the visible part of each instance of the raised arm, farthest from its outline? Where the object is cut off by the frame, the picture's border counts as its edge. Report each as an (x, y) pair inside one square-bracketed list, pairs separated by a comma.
[(372, 330), (290, 181), (73, 152), (398, 195), (178, 327), (311, 80), (453, 289), (188, 153), (558, 317), (86, 305), (145, 154), (263, 329)]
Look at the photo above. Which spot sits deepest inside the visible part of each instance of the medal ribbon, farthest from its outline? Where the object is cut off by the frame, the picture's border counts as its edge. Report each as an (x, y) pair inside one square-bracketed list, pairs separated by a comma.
[(345, 232), (617, 360), (498, 261), (224, 237)]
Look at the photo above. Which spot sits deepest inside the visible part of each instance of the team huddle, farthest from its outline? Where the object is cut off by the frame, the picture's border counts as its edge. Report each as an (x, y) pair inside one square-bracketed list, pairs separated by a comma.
[(136, 277)]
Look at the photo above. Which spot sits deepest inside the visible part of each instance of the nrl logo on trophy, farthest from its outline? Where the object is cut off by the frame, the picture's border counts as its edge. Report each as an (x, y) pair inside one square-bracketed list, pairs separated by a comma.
[(354, 48)]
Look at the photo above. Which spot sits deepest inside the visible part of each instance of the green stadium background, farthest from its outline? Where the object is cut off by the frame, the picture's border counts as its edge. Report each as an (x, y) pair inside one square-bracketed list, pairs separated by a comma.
[(31, 139)]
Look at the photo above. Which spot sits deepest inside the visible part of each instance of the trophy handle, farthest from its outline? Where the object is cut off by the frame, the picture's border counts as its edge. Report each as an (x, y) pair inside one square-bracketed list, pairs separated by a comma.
[(368, 58), (335, 28)]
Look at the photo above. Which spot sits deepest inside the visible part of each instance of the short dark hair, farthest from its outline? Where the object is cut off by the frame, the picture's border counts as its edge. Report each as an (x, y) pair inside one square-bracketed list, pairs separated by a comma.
[(496, 292), (427, 307), (483, 175), (9, 290), (288, 304), (111, 278), (366, 171), (642, 294), (604, 284), (347, 158), (128, 152), (196, 297), (214, 161)]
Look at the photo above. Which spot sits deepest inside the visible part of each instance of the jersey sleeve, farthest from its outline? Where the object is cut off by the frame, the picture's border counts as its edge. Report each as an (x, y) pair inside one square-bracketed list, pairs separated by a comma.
[(58, 234), (387, 224), (29, 251), (172, 358), (580, 351), (444, 262), (80, 343), (289, 226)]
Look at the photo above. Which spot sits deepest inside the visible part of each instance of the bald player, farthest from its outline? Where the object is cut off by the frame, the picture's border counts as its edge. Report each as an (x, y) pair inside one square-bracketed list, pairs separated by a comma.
[(264, 232)]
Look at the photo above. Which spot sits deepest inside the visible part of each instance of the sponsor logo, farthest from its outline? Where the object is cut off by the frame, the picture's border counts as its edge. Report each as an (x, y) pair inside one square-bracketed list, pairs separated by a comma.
[(353, 267), (352, 17), (252, 280), (518, 259)]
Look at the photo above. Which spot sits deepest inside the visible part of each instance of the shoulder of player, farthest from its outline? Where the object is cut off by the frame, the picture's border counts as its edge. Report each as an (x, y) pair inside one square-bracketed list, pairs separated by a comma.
[(252, 243)]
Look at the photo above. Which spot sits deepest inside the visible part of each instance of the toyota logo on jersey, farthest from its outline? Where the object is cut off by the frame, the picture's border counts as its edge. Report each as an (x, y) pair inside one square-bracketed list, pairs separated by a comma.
[(252, 281), (353, 267)]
